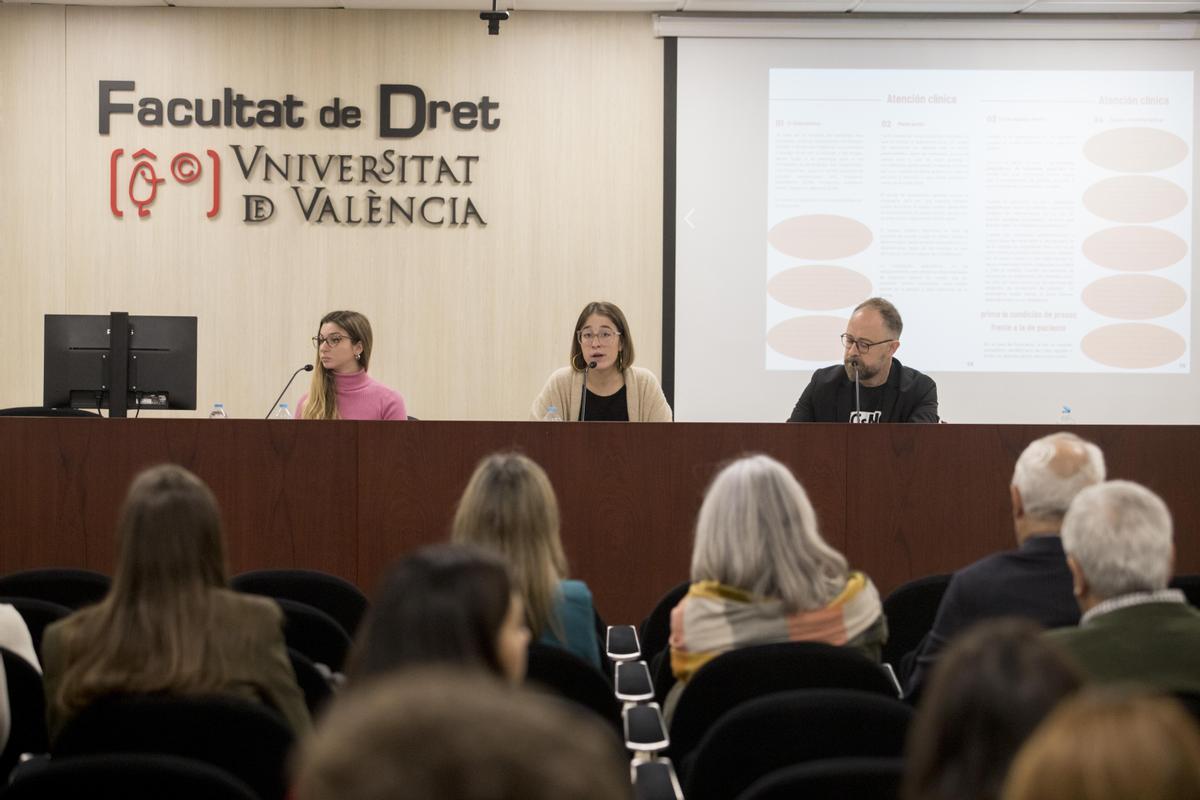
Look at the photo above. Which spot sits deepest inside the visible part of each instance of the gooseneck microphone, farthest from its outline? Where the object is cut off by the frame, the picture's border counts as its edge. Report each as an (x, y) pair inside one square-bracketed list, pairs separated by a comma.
[(305, 368), (857, 404), (583, 393)]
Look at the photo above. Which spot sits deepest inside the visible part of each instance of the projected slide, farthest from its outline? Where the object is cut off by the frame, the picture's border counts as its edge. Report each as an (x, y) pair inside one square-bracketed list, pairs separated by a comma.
[(1042, 220)]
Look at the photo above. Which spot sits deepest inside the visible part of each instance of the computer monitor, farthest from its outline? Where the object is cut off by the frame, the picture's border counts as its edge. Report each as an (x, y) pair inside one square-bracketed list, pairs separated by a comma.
[(87, 355)]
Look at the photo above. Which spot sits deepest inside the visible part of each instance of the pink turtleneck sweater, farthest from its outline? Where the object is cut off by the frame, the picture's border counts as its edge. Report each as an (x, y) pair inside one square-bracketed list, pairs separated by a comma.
[(359, 396)]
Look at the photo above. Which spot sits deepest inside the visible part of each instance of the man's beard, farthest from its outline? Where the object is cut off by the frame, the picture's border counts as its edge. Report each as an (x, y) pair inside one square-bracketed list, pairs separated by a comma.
[(865, 373)]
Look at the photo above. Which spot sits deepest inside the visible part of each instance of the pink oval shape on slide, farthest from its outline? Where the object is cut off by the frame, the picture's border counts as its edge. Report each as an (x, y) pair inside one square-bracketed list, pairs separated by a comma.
[(1134, 296), (1135, 149), (819, 288), (1134, 248), (1135, 198), (1133, 345), (820, 236), (812, 338)]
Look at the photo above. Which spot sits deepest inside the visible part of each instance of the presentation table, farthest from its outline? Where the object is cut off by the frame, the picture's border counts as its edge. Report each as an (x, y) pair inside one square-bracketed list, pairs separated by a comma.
[(900, 501)]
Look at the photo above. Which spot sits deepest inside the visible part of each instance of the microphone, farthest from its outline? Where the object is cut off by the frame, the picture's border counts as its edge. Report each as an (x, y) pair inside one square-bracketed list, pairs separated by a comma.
[(583, 393), (857, 404), (305, 368)]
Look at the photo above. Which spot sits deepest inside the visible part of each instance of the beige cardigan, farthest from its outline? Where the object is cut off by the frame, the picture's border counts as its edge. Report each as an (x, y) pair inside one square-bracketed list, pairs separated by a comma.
[(643, 395)]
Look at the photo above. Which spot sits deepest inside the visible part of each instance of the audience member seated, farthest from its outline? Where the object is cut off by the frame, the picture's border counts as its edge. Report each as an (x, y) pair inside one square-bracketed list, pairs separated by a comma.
[(445, 734), (446, 604), (1118, 540), (986, 695), (1032, 581), (169, 623), (1109, 745), (509, 507), (761, 573)]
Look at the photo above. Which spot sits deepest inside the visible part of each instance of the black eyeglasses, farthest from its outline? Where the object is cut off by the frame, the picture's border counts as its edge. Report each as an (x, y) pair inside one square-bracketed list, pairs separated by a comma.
[(863, 345), (333, 340)]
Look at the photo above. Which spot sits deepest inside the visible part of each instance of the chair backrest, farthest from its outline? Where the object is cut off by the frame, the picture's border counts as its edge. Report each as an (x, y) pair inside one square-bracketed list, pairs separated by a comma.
[(27, 710), (655, 629), (750, 672), (337, 597), (37, 614), (910, 610), (242, 737), (835, 779), (316, 687), (566, 675), (73, 588), (780, 730), (315, 634), (128, 776), (1190, 586)]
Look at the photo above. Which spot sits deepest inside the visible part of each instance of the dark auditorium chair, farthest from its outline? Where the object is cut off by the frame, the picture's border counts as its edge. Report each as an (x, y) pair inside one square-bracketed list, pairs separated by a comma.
[(835, 779), (244, 738), (751, 672), (655, 629), (73, 588), (780, 730), (337, 597), (129, 776), (27, 709), (566, 675), (315, 634), (316, 686), (910, 610), (37, 614), (1190, 586)]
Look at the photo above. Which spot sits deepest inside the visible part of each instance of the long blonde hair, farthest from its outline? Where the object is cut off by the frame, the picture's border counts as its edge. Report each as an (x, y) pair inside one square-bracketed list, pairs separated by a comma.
[(509, 507), (148, 634), (322, 389)]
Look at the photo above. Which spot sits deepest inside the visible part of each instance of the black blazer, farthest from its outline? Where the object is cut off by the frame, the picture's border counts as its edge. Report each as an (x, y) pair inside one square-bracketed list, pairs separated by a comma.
[(1033, 582), (908, 396)]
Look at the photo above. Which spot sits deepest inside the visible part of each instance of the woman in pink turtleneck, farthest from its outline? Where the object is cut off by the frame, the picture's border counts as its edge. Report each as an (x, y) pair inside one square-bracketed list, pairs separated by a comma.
[(341, 387)]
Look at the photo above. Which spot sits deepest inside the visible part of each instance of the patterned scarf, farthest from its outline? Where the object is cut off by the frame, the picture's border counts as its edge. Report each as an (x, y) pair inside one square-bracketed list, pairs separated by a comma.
[(713, 619)]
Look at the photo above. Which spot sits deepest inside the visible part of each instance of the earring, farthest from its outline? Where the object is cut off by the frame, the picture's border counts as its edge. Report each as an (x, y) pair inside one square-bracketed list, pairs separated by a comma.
[(358, 356)]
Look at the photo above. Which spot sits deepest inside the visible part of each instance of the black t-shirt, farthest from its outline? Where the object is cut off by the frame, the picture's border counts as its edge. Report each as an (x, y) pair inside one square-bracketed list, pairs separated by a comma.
[(609, 409)]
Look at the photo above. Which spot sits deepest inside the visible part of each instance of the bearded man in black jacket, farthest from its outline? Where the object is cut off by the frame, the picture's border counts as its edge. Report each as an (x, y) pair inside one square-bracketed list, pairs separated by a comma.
[(887, 390)]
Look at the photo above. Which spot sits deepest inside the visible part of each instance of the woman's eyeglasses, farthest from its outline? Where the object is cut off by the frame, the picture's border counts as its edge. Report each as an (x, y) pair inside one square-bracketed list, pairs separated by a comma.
[(333, 340)]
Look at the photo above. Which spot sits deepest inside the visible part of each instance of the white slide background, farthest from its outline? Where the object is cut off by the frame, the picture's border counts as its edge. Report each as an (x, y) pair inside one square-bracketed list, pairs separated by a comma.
[(1028, 205)]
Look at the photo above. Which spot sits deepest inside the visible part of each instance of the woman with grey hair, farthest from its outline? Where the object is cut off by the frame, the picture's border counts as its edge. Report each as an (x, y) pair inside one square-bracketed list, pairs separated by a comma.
[(761, 574)]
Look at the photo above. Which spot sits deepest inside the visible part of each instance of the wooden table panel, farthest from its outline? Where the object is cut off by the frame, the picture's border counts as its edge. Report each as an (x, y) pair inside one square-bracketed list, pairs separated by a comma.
[(352, 497)]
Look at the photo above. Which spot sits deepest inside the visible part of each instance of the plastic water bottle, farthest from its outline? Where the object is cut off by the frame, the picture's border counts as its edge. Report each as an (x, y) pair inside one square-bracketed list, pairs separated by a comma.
[(282, 412), (552, 414), (218, 412), (1064, 416)]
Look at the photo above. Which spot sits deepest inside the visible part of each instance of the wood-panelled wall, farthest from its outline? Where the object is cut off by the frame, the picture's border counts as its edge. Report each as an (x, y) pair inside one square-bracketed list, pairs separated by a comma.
[(468, 322)]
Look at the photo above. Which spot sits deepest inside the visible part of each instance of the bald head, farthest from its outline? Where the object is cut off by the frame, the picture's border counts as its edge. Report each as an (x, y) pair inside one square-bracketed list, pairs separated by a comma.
[(1051, 471)]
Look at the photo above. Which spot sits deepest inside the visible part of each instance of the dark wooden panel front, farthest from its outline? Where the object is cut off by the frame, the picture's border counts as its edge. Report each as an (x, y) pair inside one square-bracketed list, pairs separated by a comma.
[(349, 498)]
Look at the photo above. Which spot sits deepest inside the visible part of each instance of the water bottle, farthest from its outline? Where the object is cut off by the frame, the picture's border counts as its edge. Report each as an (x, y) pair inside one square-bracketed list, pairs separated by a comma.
[(552, 414), (1064, 416), (218, 412), (282, 412)]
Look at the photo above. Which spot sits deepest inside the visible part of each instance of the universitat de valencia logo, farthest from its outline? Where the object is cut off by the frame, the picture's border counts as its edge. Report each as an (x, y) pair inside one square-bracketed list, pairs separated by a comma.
[(386, 187)]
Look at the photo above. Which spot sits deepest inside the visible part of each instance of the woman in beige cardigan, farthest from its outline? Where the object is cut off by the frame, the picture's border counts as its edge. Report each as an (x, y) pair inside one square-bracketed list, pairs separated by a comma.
[(616, 390)]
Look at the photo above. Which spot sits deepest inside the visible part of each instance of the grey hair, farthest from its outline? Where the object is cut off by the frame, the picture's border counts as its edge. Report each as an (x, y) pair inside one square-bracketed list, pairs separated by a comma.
[(891, 316), (757, 531), (1120, 535), (1047, 484)]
